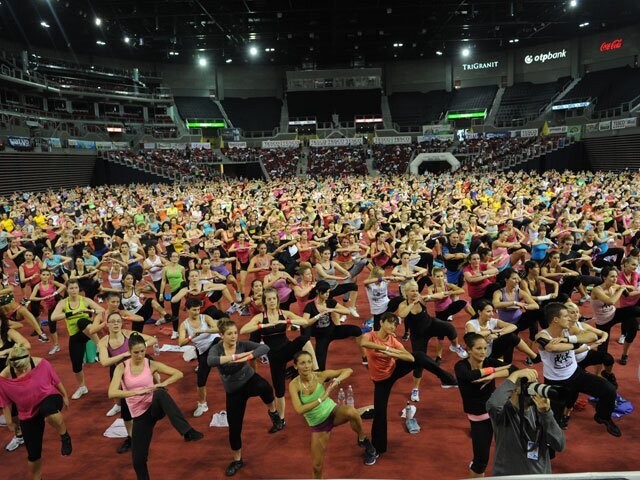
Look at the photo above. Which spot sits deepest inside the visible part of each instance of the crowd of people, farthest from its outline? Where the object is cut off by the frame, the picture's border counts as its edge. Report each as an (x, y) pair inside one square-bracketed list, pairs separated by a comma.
[(272, 271), (336, 161)]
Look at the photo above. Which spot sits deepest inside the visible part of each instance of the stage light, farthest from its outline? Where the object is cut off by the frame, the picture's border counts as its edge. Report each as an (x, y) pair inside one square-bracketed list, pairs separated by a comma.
[(202, 62), (439, 53), (126, 39), (45, 24), (253, 51), (98, 21), (100, 42), (465, 52), (573, 3), (228, 60)]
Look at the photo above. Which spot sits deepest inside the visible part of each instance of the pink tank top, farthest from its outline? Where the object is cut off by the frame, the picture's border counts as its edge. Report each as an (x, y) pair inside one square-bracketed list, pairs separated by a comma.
[(283, 289), (140, 403), (443, 304), (45, 291)]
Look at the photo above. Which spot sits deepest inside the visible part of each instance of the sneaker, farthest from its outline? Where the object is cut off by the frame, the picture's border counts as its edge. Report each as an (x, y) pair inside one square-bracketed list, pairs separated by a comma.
[(610, 377), (354, 312), (114, 410), (370, 459), (202, 408), (621, 339), (14, 444), (245, 312), (231, 309), (368, 446), (79, 393), (55, 349), (415, 395), (233, 468), (278, 423), (161, 321), (438, 360), (459, 350), (612, 428), (405, 337), (343, 318), (450, 318), (65, 447), (193, 436), (623, 359), (584, 299), (365, 361), (43, 337), (563, 423), (528, 362), (238, 297), (125, 446), (449, 381), (174, 335)]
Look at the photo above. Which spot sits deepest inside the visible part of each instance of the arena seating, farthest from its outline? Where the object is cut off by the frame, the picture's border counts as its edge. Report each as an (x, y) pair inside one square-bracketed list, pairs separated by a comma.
[(253, 114), (416, 108), (279, 163), (434, 146), (197, 107), (187, 164), (392, 159), (346, 103), (473, 98), (609, 87), (523, 101), (337, 161)]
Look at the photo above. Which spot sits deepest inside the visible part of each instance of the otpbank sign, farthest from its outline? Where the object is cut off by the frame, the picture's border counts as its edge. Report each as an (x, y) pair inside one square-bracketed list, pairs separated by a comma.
[(547, 56)]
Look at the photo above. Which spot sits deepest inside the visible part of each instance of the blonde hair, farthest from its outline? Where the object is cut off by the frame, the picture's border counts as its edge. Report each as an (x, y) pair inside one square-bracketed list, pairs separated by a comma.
[(376, 272), (20, 358)]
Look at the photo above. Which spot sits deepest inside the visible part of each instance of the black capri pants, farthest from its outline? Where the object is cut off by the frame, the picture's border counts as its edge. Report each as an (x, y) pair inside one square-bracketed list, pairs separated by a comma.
[(203, 367), (502, 347), (237, 405), (343, 288), (628, 317), (336, 332), (278, 359), (77, 345), (33, 428), (481, 436)]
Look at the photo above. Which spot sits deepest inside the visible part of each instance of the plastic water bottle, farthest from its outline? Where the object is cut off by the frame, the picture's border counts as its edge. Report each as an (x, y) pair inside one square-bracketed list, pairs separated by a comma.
[(156, 348), (341, 397), (407, 410), (351, 401), (16, 278)]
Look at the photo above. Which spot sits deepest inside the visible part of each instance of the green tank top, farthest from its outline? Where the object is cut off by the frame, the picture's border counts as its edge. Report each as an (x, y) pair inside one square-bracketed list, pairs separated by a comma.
[(322, 411), (174, 278), (72, 320)]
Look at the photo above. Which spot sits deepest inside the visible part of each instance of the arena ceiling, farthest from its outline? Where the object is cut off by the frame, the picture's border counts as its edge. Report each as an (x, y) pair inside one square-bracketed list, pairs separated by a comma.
[(298, 32)]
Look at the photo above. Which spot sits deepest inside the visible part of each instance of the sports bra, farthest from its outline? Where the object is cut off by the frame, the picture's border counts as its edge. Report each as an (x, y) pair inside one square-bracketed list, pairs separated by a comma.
[(274, 337)]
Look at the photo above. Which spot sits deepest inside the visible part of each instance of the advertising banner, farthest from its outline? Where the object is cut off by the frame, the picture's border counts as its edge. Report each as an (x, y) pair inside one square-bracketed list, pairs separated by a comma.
[(604, 126), (400, 140), (19, 142), (201, 145), (112, 145), (624, 123), (558, 130), (335, 142), (436, 129), (82, 144), (497, 135), (280, 143), (171, 146), (230, 134), (574, 131), (55, 142), (591, 127), (237, 144), (529, 132), (149, 146)]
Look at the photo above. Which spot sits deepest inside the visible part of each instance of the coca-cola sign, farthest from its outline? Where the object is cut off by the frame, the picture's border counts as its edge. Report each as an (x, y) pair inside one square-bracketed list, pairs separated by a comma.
[(612, 45)]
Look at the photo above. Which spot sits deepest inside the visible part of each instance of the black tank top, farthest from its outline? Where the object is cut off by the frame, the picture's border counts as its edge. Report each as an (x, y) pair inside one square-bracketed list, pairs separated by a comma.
[(274, 337), (419, 322), (13, 372), (6, 344)]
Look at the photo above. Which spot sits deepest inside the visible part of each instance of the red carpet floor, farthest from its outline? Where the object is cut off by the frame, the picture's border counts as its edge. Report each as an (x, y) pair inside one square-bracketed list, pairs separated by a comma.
[(442, 450)]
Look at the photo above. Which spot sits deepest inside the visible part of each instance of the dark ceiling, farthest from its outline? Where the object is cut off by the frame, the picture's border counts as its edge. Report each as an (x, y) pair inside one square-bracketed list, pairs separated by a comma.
[(301, 31)]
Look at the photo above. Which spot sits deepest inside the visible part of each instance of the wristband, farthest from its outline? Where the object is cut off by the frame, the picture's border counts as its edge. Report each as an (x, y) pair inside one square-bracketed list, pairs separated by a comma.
[(572, 339), (487, 371), (68, 314), (319, 401), (386, 349), (542, 298), (250, 357), (233, 357), (259, 326)]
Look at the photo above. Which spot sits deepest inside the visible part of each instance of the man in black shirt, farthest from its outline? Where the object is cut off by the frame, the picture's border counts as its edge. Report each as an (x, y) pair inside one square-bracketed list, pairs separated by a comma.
[(454, 253), (573, 259)]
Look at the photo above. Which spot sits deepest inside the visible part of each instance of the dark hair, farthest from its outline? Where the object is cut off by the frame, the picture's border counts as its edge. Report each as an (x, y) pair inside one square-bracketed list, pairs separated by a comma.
[(389, 317), (324, 249), (529, 265), (71, 281), (268, 291), (225, 324), (471, 338), (299, 354), (607, 270), (113, 295), (192, 303), (482, 304), (136, 339), (552, 310), (322, 286)]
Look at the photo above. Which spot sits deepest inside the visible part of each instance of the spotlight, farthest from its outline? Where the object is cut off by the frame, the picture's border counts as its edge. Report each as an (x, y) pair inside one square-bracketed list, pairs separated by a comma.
[(202, 62), (45, 24), (584, 24), (439, 53), (127, 40), (100, 42), (465, 52), (98, 21), (573, 3), (253, 51), (228, 60)]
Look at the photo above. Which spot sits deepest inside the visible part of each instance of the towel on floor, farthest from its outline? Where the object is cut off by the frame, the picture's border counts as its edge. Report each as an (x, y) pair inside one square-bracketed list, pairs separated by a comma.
[(116, 430)]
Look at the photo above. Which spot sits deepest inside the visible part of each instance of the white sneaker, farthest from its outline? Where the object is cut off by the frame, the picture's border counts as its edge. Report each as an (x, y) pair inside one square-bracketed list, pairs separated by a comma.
[(238, 297), (621, 339), (174, 335), (450, 318), (160, 321), (457, 349), (415, 395), (3, 421), (54, 349), (114, 410), (202, 408), (354, 312), (343, 319), (14, 444), (79, 393)]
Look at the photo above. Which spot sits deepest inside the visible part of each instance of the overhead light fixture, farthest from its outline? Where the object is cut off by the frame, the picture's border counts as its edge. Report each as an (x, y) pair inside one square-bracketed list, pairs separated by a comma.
[(98, 21), (202, 62), (584, 24), (228, 60), (126, 39), (269, 50), (44, 24), (465, 52), (253, 51), (100, 42), (439, 53), (173, 53), (573, 3), (398, 45), (514, 40)]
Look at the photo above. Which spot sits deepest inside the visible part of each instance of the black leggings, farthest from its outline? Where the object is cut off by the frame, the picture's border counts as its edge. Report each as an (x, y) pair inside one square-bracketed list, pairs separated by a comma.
[(343, 288), (583, 382), (628, 317), (529, 320), (77, 346), (278, 359), (256, 386), (336, 332), (481, 436), (502, 347), (451, 310), (381, 392), (33, 428), (420, 339), (203, 367), (161, 405), (146, 312)]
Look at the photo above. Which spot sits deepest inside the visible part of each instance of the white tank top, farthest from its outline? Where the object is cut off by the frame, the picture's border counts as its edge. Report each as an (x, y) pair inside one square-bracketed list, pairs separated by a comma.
[(378, 299), (602, 312), (203, 341), (132, 304), (155, 270), (115, 282), (582, 355), (492, 324), (558, 365)]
